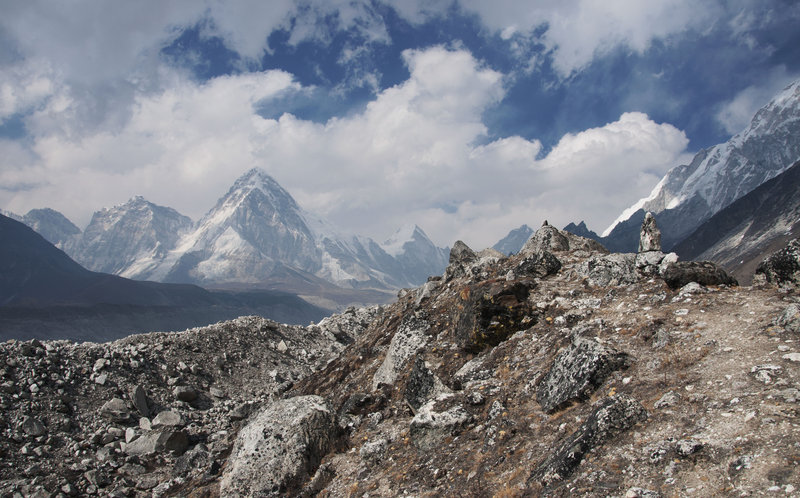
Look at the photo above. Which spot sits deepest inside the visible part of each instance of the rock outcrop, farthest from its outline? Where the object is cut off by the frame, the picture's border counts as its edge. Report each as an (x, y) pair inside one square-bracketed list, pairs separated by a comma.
[(506, 376), (782, 267), (279, 448)]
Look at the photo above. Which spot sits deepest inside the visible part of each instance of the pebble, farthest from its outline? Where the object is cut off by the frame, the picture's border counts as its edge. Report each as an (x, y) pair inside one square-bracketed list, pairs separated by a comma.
[(793, 357)]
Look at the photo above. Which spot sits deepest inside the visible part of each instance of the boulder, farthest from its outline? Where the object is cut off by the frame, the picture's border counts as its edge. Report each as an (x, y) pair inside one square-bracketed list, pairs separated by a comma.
[(157, 442), (437, 419), (184, 393), (492, 312), (116, 409), (406, 342), (546, 238), (678, 274), (577, 372), (610, 269), (790, 319), (782, 267), (139, 399), (279, 448), (649, 235), (422, 384), (168, 418), (538, 265), (610, 417)]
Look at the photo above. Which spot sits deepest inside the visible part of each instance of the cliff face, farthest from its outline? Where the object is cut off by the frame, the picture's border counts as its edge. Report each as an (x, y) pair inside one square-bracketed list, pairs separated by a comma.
[(559, 371)]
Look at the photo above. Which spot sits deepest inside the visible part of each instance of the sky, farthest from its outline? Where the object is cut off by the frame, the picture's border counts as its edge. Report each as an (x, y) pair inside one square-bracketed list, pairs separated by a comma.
[(468, 118)]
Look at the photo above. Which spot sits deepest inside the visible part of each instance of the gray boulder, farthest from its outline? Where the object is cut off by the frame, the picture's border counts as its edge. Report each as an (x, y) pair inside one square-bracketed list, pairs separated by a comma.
[(546, 238), (610, 269), (610, 417), (157, 442), (790, 319), (577, 372), (409, 338), (678, 274), (279, 448), (437, 419)]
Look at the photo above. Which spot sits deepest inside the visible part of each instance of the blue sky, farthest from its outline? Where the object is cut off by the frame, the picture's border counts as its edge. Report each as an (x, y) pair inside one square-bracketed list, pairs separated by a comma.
[(468, 118)]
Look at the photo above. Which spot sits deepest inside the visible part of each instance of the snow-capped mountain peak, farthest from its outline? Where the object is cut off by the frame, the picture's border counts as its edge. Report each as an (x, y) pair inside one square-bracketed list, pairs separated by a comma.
[(719, 175), (409, 233)]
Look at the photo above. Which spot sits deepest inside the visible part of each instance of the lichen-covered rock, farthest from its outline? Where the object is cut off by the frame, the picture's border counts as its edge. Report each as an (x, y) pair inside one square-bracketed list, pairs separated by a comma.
[(650, 235), (279, 448), (783, 266), (493, 312), (790, 319), (538, 265), (546, 238), (678, 274), (432, 423), (577, 372), (609, 270), (422, 384), (610, 417), (461, 253), (409, 338)]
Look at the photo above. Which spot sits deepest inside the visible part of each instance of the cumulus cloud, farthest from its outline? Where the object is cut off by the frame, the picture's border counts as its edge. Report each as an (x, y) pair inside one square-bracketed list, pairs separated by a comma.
[(575, 32), (417, 153)]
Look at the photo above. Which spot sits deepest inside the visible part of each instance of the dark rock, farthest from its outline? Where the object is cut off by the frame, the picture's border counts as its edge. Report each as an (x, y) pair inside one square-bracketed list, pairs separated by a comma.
[(197, 458), (539, 265), (32, 426), (461, 253), (678, 274), (577, 372), (783, 266), (493, 312), (610, 417), (363, 404), (650, 235), (184, 393), (139, 399), (420, 384), (279, 448)]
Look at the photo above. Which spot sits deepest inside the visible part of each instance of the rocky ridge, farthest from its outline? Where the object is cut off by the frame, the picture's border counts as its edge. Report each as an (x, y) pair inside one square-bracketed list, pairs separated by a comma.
[(563, 370)]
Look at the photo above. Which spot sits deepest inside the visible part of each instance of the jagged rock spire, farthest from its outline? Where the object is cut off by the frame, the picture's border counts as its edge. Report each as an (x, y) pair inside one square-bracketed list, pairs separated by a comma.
[(650, 235)]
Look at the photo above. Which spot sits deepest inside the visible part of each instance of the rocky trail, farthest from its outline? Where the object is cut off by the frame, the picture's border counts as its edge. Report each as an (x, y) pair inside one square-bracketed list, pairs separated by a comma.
[(560, 371)]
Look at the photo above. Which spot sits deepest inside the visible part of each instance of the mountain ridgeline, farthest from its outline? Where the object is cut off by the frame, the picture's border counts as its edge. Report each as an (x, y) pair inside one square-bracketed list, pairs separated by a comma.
[(256, 236)]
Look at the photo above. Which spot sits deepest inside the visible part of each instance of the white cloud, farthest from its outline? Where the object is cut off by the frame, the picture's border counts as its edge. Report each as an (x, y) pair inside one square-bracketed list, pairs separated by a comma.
[(580, 30), (735, 115), (410, 156)]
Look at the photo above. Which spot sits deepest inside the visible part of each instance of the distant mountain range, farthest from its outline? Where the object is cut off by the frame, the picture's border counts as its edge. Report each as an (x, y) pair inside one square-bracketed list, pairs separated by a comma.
[(689, 195), (45, 294), (256, 236), (740, 235), (733, 204)]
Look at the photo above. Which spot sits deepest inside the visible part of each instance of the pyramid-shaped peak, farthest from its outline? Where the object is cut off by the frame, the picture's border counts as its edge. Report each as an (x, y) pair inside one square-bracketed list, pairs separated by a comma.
[(258, 178)]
